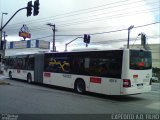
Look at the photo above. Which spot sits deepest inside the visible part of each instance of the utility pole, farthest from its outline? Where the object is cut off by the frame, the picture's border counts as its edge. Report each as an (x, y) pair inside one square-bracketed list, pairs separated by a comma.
[(4, 43), (129, 29), (53, 29), (143, 41), (1, 27)]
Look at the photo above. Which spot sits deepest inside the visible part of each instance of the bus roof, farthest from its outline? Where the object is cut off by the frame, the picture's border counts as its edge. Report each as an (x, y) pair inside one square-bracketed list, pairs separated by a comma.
[(94, 50), (81, 51)]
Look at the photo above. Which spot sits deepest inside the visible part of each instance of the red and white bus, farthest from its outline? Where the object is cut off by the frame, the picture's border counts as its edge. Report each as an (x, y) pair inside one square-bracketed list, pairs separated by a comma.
[(110, 72)]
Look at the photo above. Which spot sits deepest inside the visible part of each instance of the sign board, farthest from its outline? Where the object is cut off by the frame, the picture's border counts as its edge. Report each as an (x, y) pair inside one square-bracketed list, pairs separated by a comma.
[(33, 44), (24, 32), (28, 44), (43, 44), (20, 44)]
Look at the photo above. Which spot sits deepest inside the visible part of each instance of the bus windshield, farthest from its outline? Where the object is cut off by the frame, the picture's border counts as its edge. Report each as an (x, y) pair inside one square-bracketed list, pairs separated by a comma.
[(140, 60)]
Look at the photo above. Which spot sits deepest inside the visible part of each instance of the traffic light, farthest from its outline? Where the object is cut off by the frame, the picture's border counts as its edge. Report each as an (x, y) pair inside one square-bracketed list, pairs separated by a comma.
[(29, 8), (143, 39), (86, 38), (36, 8)]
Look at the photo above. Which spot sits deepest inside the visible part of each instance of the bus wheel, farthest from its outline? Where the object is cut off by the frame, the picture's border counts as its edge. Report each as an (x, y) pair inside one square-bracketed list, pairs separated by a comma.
[(10, 75), (80, 86), (29, 78)]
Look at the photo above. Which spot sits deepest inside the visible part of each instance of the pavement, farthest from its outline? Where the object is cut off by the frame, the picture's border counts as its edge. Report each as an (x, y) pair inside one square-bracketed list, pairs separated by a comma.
[(155, 87)]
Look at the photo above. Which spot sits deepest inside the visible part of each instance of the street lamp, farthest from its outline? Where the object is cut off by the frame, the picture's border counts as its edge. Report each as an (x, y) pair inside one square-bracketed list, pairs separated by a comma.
[(132, 26), (1, 27), (53, 28), (2, 18)]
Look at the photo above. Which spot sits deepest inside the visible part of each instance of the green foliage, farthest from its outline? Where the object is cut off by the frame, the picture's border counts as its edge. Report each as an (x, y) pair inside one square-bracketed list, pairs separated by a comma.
[(156, 72)]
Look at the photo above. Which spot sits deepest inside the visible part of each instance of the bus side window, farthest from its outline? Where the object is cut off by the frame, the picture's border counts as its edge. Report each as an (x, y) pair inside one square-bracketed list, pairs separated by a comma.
[(31, 63), (72, 65), (66, 66), (14, 63), (57, 64), (77, 65)]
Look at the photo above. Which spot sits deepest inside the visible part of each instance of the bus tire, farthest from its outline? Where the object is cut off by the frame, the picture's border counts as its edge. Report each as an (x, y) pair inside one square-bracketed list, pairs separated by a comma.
[(29, 78), (10, 75), (80, 86)]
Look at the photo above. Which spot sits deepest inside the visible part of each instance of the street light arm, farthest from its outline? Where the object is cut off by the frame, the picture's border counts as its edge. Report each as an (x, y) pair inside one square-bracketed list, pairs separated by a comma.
[(12, 17), (71, 42), (132, 26)]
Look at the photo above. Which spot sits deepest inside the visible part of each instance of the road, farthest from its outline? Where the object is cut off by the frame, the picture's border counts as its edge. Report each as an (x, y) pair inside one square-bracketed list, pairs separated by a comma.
[(22, 98)]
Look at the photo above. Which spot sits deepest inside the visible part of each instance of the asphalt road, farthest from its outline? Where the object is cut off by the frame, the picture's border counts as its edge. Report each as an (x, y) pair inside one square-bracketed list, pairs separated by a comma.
[(22, 98)]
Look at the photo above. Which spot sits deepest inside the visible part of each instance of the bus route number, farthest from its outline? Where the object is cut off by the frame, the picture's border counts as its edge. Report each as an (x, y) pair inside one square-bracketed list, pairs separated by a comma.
[(66, 76), (113, 80)]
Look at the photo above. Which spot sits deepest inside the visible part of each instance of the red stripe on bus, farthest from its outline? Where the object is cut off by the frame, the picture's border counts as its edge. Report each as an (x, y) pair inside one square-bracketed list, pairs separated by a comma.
[(135, 76), (95, 80), (47, 74)]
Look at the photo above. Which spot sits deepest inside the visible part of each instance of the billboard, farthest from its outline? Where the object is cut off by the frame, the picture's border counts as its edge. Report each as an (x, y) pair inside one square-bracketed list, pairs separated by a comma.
[(28, 44)]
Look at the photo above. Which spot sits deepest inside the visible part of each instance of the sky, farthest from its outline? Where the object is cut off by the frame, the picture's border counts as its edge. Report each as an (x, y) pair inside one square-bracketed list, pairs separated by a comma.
[(74, 18)]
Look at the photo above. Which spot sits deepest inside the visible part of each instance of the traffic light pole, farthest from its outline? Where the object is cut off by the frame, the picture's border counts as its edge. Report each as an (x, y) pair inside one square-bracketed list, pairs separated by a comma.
[(12, 18), (6, 25), (71, 42)]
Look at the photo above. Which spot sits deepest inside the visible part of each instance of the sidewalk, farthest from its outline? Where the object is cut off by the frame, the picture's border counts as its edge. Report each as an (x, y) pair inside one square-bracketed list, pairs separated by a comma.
[(2, 81), (155, 87)]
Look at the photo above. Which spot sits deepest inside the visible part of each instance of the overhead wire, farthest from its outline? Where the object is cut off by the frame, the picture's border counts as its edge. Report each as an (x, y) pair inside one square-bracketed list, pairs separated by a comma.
[(73, 23), (92, 10), (100, 19), (104, 18), (103, 32), (125, 28), (64, 14)]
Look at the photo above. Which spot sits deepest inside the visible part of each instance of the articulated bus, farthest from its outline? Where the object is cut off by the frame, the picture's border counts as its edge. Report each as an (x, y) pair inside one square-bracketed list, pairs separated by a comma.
[(110, 72)]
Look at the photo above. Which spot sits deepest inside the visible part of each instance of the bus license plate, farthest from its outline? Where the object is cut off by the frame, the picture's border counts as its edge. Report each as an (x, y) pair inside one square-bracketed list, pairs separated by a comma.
[(139, 86)]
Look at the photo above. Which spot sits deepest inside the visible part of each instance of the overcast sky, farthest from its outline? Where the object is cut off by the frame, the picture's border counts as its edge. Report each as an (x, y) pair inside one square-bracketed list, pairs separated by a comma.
[(78, 17)]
